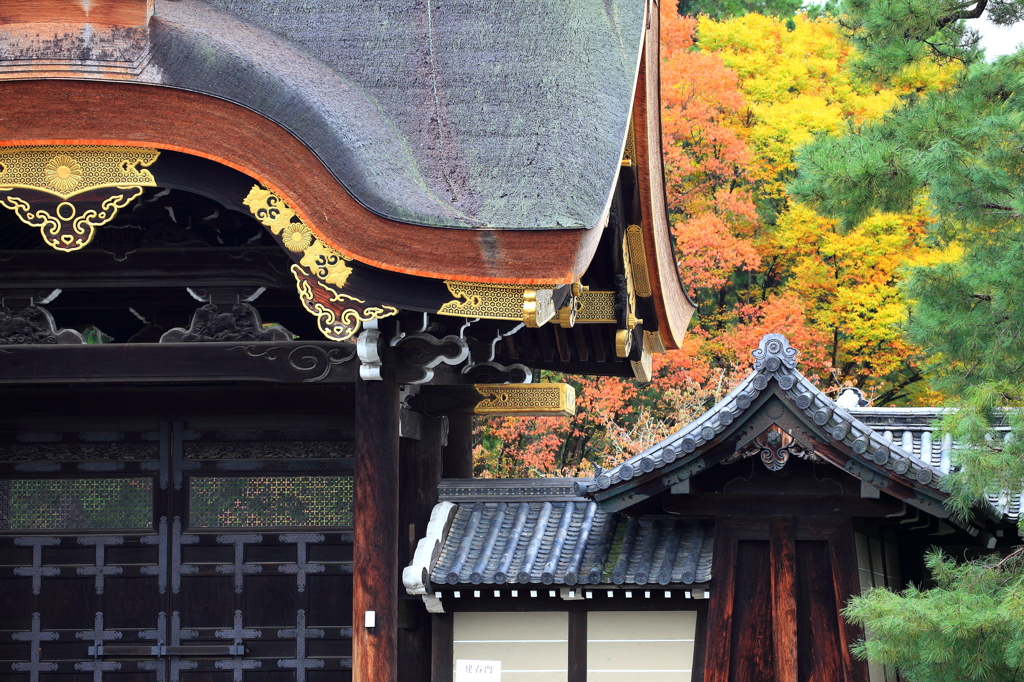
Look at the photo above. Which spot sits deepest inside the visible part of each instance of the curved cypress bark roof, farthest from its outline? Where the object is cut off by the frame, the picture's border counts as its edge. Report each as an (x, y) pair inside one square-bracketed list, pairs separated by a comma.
[(500, 115)]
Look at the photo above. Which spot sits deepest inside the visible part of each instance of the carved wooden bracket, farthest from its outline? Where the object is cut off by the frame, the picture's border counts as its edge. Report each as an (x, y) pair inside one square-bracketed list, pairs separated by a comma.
[(321, 272), (33, 325), (241, 322)]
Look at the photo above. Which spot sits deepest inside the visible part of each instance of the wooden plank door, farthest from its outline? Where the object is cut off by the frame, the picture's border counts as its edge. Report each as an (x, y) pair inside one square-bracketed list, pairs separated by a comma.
[(175, 555)]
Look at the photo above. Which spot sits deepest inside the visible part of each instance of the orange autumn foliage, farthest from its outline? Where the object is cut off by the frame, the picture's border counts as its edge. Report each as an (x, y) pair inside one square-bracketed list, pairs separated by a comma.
[(738, 99)]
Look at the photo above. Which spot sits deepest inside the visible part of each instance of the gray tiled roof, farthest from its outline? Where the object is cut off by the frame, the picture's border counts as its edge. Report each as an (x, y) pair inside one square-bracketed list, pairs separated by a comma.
[(537, 537), (916, 430), (675, 457)]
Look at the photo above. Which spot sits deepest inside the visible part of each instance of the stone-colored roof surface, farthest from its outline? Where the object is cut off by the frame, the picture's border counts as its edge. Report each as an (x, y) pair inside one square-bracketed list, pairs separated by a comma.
[(915, 429), (536, 532), (460, 113), (774, 360)]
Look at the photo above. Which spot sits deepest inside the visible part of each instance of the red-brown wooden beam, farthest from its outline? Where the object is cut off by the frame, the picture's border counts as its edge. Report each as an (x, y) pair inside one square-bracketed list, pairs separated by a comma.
[(111, 12), (783, 553), (375, 584)]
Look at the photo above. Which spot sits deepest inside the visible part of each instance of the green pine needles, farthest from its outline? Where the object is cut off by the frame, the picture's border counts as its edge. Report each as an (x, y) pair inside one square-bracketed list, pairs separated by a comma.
[(961, 151), (967, 627)]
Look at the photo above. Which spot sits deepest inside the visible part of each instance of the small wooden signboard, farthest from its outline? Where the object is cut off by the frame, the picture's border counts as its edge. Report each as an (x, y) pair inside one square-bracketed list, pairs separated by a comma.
[(477, 671)]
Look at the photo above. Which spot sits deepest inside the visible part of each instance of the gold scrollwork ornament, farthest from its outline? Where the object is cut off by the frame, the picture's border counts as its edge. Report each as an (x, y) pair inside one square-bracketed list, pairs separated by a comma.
[(339, 316), (323, 262), (66, 172), (65, 229)]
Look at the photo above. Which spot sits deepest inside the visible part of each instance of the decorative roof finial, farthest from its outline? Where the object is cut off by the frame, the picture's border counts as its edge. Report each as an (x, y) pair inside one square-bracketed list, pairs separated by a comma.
[(774, 352)]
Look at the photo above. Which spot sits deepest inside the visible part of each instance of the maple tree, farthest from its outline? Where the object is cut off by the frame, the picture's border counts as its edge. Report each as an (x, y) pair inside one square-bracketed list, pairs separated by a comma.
[(740, 96)]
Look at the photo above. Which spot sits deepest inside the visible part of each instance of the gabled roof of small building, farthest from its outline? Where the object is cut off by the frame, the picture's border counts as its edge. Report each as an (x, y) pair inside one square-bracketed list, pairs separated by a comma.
[(915, 429), (539, 532), (724, 430)]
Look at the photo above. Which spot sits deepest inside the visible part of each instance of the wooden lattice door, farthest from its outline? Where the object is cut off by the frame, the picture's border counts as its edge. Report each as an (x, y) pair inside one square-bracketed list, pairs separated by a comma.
[(175, 554)]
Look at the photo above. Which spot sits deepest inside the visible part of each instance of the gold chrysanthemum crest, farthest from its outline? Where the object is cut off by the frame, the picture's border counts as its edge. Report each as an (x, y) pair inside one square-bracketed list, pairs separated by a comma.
[(297, 237), (63, 173), (67, 171), (322, 262), (113, 177)]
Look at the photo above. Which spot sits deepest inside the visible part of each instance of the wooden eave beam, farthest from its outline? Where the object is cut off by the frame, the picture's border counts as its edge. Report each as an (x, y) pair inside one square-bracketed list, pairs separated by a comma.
[(205, 126), (674, 309), (136, 13), (216, 362)]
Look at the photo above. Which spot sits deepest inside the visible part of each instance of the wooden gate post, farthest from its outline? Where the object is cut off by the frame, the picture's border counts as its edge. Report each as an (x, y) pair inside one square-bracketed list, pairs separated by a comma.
[(376, 581)]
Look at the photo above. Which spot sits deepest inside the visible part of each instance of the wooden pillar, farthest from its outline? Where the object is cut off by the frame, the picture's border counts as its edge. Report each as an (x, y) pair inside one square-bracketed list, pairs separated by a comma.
[(442, 657), (420, 462), (577, 646), (376, 580), (458, 454), (784, 626), (720, 616)]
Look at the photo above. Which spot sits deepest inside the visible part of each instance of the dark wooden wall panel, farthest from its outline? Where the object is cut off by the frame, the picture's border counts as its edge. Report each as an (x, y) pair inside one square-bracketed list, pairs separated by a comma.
[(752, 656), (820, 655)]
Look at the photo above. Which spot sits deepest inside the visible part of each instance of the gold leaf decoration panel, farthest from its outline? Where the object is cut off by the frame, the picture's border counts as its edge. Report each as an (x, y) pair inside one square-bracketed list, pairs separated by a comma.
[(65, 171), (596, 307), (634, 250), (526, 400), (534, 306)]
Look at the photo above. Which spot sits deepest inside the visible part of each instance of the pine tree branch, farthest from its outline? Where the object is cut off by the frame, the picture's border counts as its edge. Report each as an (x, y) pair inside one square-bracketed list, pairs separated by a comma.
[(972, 13)]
